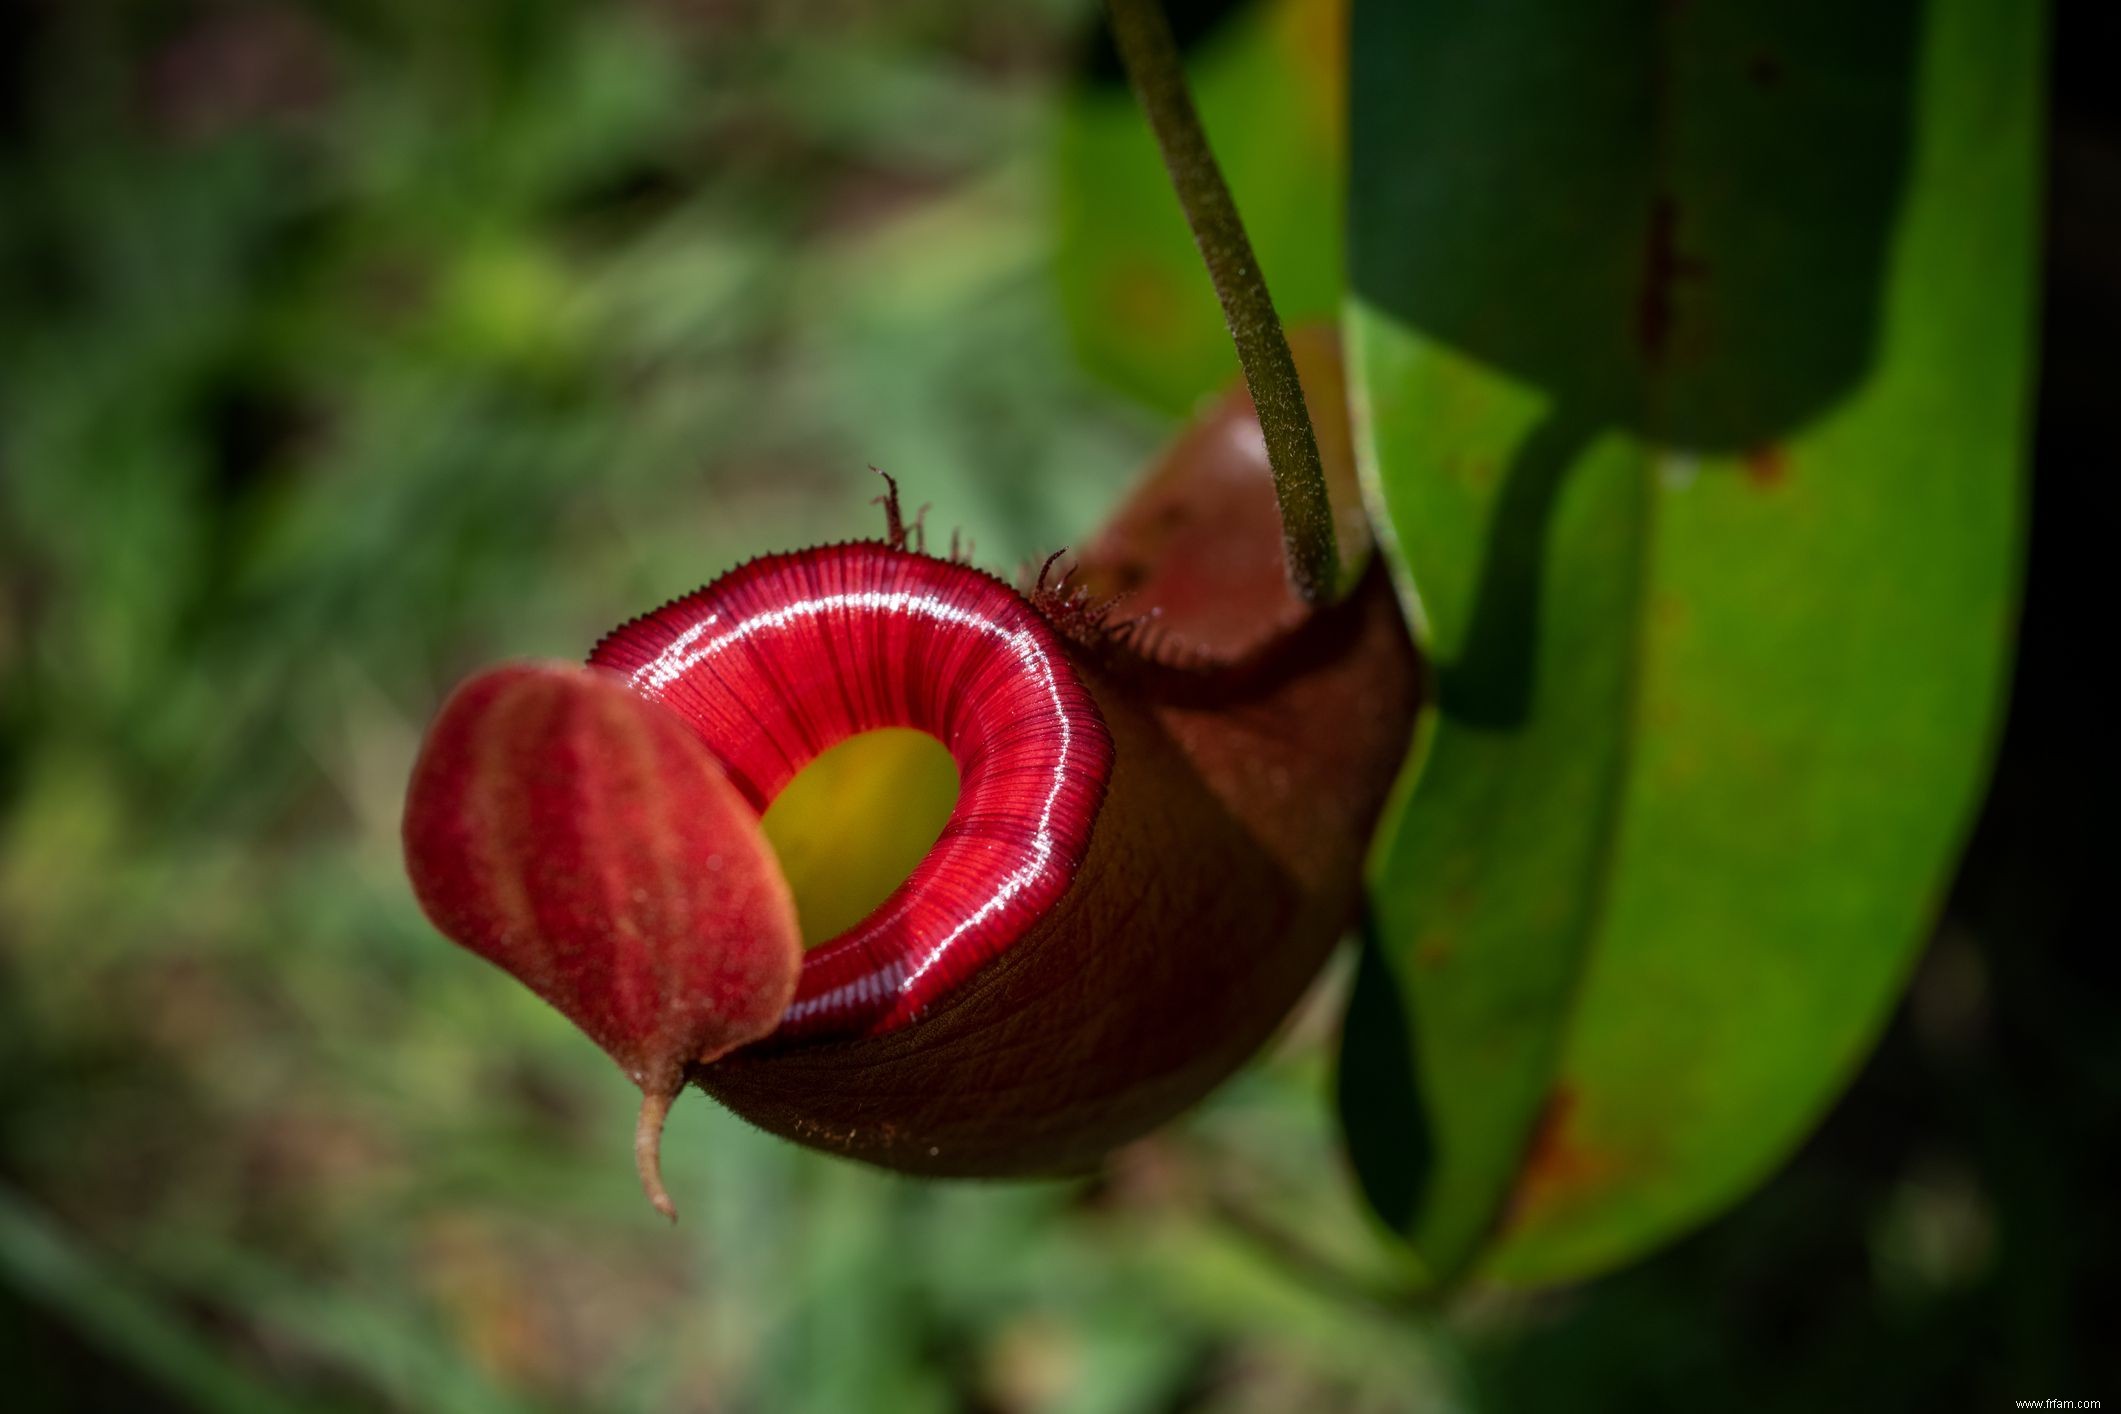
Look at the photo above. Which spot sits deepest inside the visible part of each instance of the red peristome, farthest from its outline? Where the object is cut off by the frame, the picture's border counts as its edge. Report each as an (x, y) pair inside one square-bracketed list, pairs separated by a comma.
[(791, 654), (588, 843)]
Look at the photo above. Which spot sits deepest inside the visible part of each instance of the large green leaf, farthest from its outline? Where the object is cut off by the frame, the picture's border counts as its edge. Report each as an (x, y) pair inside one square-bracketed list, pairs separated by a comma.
[(1692, 356), (1269, 80)]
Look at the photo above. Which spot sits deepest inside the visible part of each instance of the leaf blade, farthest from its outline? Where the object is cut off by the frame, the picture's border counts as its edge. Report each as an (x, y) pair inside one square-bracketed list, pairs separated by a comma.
[(1718, 569)]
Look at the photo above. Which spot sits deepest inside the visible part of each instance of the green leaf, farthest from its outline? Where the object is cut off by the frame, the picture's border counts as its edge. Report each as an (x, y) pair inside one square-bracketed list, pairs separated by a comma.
[(1269, 81), (1692, 349)]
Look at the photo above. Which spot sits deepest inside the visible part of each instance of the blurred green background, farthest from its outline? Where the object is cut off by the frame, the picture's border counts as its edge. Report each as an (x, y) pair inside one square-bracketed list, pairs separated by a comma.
[(347, 347)]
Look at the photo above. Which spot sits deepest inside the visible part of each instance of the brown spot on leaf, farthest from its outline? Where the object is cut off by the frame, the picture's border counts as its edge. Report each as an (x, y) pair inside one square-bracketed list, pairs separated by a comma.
[(1435, 949), (1767, 466), (1138, 293), (1560, 1166), (1664, 266), (1765, 70), (1478, 472)]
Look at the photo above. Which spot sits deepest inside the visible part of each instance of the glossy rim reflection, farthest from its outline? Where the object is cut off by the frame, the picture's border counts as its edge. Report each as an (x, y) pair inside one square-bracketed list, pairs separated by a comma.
[(791, 654)]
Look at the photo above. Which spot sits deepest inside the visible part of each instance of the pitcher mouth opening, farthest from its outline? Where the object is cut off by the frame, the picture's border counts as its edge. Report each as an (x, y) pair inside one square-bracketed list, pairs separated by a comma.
[(790, 655)]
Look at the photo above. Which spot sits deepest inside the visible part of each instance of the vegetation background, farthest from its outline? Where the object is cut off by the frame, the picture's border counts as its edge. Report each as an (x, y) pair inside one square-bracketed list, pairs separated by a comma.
[(347, 346)]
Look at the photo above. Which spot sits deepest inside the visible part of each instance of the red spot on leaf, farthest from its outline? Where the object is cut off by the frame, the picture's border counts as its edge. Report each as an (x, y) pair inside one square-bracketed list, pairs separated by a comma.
[(1767, 466), (1664, 266), (1560, 1166)]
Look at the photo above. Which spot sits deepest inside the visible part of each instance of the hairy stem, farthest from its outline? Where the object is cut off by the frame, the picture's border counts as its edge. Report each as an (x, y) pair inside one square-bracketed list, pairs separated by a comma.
[(1151, 59)]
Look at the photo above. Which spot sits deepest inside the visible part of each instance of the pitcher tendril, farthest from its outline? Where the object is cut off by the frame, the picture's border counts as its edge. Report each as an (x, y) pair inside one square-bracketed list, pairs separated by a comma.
[(1150, 55)]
